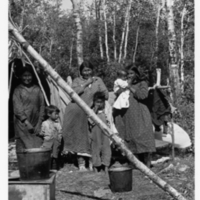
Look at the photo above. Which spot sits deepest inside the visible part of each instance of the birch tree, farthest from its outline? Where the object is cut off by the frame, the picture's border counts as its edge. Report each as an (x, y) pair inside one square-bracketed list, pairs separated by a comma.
[(114, 32), (126, 32), (173, 66), (136, 42), (105, 29), (79, 32), (124, 29), (99, 20), (183, 14), (159, 9)]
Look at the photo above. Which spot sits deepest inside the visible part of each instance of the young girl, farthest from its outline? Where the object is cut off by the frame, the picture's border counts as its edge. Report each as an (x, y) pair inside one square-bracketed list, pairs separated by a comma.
[(100, 144), (52, 132), (123, 99)]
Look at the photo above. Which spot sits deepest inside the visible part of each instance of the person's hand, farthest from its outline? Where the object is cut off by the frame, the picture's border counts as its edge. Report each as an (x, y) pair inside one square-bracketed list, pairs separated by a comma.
[(37, 129), (96, 108), (60, 137), (29, 126), (129, 82), (90, 81)]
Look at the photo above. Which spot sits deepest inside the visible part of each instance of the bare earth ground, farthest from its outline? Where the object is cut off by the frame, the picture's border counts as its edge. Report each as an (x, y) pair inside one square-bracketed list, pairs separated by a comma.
[(71, 184), (75, 185)]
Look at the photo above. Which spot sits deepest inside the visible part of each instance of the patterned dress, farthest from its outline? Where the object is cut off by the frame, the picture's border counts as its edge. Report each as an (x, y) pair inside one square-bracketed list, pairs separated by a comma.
[(134, 123), (75, 122), (28, 103)]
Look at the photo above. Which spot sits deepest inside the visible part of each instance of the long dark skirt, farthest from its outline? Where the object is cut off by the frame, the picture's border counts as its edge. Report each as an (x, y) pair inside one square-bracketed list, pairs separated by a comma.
[(75, 130), (135, 127)]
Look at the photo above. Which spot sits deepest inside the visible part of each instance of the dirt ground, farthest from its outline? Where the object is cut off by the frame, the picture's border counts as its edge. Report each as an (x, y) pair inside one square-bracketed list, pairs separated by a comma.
[(75, 185)]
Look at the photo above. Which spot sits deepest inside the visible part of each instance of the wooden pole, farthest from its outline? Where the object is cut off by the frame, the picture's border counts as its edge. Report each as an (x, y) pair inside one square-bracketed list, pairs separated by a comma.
[(11, 77), (107, 131), (158, 77), (38, 79), (158, 72)]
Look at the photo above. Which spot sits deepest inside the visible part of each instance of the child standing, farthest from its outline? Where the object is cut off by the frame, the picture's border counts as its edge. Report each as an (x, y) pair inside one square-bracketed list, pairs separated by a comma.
[(100, 144), (123, 99), (52, 132)]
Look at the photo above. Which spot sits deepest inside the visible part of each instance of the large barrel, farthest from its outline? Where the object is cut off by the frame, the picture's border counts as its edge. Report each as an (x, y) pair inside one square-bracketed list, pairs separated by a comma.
[(120, 179), (34, 164)]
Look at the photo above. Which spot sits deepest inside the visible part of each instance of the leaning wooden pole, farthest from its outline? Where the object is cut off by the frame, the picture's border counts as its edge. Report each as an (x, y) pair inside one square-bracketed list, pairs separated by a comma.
[(107, 131)]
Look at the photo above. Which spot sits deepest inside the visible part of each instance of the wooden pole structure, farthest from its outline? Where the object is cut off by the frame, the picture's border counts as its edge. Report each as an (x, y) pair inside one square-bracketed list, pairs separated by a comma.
[(158, 72), (107, 131), (11, 77)]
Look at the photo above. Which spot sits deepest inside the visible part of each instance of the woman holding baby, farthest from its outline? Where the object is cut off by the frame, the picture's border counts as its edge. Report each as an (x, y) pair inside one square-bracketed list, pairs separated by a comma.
[(134, 122)]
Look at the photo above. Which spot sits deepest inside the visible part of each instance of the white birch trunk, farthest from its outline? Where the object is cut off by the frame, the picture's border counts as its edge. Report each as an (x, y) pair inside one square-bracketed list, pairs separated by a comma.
[(105, 29), (123, 30), (183, 13), (99, 20), (136, 43), (157, 30), (71, 51), (114, 34), (90, 113), (173, 66), (126, 34), (79, 32)]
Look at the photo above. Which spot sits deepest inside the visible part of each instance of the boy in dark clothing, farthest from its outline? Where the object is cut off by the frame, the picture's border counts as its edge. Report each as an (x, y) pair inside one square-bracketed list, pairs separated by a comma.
[(100, 144)]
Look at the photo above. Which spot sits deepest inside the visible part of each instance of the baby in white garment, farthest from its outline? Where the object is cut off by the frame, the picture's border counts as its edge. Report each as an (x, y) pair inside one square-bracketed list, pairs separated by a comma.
[(122, 100)]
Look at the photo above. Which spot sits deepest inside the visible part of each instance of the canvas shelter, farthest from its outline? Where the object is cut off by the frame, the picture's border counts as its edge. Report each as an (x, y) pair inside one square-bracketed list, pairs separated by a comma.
[(52, 92)]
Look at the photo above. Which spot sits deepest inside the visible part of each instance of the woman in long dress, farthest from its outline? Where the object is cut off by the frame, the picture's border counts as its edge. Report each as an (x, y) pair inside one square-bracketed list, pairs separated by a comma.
[(134, 124), (28, 106), (75, 122)]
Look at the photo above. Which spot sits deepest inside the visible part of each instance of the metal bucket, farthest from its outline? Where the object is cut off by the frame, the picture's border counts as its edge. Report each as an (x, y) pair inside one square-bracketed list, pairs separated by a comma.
[(120, 179), (34, 164)]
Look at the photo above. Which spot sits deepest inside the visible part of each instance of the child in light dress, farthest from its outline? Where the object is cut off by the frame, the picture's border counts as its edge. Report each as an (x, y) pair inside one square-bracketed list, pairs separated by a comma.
[(51, 131), (122, 100)]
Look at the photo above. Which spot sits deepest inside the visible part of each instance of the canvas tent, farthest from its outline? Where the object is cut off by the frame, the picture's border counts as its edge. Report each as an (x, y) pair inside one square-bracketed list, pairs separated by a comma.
[(52, 92)]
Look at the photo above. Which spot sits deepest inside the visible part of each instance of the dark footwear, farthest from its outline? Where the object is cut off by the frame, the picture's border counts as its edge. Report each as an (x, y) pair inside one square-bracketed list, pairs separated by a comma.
[(54, 164)]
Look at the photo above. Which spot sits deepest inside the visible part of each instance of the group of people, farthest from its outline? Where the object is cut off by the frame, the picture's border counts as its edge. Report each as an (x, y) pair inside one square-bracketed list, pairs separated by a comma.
[(39, 127)]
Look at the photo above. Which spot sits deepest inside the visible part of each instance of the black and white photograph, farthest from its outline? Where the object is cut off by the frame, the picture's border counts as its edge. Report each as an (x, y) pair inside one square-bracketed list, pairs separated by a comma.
[(100, 100)]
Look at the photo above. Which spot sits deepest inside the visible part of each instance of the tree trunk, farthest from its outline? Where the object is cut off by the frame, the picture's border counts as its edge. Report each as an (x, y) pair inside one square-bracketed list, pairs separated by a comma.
[(21, 24), (79, 32), (90, 113), (136, 42), (126, 34), (71, 51), (157, 29), (124, 29), (114, 34), (98, 18), (106, 30), (183, 13), (173, 66)]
